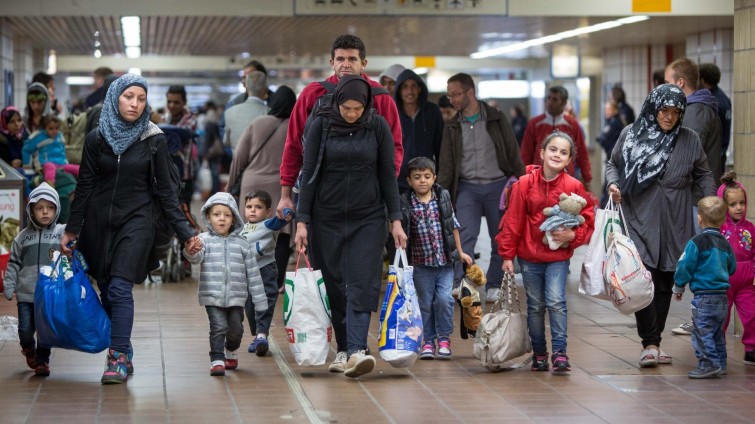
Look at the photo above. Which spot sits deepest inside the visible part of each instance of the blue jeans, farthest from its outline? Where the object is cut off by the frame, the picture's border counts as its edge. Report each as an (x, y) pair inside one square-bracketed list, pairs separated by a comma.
[(259, 322), (117, 295), (475, 201), (434, 285), (545, 284), (226, 330), (709, 312), (26, 330)]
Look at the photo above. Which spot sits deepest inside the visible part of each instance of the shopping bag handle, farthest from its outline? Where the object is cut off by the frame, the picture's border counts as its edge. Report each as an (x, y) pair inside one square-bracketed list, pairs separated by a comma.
[(400, 257), (305, 259)]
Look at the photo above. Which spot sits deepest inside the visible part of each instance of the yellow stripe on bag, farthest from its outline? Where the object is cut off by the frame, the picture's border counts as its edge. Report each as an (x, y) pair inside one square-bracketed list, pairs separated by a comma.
[(393, 286)]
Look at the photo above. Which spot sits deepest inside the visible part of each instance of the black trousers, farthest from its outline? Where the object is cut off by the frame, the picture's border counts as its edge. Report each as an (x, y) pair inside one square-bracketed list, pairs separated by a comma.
[(651, 321)]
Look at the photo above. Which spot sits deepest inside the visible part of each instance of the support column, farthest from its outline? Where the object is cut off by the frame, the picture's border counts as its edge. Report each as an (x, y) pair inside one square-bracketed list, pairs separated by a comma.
[(6, 58), (744, 97)]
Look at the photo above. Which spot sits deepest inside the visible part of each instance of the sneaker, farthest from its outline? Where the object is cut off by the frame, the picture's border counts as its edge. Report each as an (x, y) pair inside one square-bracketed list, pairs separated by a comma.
[(444, 348), (540, 362), (684, 329), (560, 363), (231, 361), (704, 372), (491, 295), (42, 370), (428, 351), (116, 371), (217, 368), (339, 364), (358, 364), (750, 357), (31, 357), (664, 358), (129, 362), (723, 371), (259, 346)]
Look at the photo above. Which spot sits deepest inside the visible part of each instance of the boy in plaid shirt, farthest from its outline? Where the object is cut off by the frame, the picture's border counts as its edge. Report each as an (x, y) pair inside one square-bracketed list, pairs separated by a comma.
[(430, 223)]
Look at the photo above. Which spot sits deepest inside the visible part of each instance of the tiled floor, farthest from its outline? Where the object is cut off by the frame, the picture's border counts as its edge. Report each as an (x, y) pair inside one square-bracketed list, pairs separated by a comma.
[(172, 381)]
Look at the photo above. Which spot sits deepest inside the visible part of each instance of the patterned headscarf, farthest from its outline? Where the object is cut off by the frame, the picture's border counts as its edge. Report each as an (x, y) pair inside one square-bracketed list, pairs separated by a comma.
[(119, 133), (647, 146), (5, 117)]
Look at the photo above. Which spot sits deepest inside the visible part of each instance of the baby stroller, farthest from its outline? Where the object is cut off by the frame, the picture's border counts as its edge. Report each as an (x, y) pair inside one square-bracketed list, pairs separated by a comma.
[(183, 151)]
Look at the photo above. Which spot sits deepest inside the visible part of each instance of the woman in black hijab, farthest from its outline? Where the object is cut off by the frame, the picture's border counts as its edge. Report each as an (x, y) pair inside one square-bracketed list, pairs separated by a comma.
[(651, 171), (349, 181)]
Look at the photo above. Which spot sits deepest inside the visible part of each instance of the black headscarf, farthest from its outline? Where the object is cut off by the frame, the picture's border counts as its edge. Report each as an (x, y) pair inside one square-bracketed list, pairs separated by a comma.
[(647, 146), (282, 102), (350, 87)]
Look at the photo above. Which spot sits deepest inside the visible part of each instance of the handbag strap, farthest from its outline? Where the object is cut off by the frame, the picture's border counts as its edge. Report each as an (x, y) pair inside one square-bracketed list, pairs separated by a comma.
[(400, 257), (306, 259), (508, 295)]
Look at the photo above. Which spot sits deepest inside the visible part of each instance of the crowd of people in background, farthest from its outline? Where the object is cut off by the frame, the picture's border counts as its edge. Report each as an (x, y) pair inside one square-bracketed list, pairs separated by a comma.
[(411, 173)]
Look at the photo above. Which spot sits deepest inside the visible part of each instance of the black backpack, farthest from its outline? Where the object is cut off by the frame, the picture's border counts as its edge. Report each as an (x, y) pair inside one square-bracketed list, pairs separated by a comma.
[(163, 229), (323, 100)]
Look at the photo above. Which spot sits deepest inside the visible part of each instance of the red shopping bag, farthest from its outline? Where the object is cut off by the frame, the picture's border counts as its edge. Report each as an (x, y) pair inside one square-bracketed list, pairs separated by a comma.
[(3, 267)]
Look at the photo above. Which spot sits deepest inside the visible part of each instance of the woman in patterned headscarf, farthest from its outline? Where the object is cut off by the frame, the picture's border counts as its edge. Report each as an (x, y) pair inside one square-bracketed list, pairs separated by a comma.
[(651, 171), (113, 212)]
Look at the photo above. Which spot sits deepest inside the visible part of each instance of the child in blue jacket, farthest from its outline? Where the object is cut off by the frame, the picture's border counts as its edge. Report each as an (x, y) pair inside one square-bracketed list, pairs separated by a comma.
[(47, 143)]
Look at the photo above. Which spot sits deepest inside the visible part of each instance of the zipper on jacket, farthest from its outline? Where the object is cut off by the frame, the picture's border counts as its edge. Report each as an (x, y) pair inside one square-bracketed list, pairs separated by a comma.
[(110, 210), (226, 274)]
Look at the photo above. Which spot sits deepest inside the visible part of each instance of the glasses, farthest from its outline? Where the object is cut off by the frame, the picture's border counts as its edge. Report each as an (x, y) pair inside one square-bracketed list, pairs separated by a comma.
[(670, 113), (456, 95)]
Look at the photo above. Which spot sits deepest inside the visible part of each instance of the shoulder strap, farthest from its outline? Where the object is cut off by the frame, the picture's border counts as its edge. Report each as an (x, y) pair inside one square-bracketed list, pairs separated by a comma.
[(321, 152), (328, 86), (379, 90), (152, 155)]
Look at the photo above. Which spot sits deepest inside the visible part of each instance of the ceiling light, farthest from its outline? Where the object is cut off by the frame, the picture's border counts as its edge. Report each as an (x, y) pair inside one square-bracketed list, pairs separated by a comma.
[(135, 71), (52, 62), (132, 31), (74, 80), (133, 52), (557, 37), (97, 53)]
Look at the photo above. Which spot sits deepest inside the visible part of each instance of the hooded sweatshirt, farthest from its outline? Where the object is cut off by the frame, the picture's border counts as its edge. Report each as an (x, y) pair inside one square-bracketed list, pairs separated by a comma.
[(422, 132), (32, 248), (701, 116), (229, 269), (37, 86), (739, 234), (392, 72)]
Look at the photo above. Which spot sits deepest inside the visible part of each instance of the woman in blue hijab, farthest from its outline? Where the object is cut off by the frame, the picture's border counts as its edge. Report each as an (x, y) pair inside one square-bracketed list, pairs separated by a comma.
[(114, 208)]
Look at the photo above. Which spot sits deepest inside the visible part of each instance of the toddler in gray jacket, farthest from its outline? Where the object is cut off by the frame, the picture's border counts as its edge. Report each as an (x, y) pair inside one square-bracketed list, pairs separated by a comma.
[(229, 274)]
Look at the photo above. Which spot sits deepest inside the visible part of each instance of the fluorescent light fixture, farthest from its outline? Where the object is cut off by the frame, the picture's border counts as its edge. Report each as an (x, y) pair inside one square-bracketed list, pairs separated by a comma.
[(421, 70), (135, 71), (503, 89), (537, 89), (133, 52), (73, 80), (132, 31), (52, 62), (557, 37)]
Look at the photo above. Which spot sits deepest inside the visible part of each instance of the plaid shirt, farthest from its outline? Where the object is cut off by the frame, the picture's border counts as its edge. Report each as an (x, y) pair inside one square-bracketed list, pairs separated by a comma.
[(426, 242)]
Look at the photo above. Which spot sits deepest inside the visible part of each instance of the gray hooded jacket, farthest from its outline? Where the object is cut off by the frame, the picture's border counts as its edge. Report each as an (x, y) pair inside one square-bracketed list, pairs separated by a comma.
[(229, 269), (33, 248)]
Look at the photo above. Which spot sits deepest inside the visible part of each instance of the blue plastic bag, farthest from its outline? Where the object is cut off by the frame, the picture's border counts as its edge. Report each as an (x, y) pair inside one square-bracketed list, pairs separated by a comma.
[(400, 331), (67, 312)]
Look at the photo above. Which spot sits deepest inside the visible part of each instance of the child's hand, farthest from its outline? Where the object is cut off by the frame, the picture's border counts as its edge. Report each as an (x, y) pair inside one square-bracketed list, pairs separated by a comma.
[(466, 259), (508, 266), (678, 296), (563, 235), (193, 245), (288, 214)]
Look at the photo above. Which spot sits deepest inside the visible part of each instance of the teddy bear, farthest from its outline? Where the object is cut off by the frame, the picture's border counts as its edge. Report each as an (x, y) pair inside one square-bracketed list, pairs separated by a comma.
[(563, 215), (469, 298)]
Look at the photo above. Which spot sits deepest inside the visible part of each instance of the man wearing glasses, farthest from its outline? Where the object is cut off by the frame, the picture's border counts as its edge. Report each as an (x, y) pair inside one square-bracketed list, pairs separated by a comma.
[(478, 154)]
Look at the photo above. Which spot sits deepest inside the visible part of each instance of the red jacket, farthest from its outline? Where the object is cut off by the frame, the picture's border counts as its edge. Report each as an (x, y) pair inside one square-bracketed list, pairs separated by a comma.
[(292, 151), (540, 126), (519, 232)]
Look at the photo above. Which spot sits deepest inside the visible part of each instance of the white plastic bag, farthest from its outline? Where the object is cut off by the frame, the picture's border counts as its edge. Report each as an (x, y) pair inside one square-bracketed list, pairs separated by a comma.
[(400, 333), (204, 178), (306, 315), (591, 279), (8, 329), (628, 283)]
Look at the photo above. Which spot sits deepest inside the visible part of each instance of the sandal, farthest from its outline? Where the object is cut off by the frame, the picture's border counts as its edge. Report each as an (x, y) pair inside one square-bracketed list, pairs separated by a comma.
[(649, 357), (663, 357)]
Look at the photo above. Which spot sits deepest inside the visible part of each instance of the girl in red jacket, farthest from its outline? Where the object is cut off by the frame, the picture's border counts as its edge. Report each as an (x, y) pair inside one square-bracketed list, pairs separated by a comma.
[(544, 270)]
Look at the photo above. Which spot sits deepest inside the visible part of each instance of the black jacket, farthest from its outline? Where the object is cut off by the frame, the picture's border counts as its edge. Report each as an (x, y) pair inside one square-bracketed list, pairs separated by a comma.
[(114, 211), (446, 221)]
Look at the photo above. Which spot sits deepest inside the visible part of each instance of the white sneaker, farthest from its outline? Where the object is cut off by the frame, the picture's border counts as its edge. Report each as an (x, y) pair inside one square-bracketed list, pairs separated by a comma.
[(359, 364), (339, 364), (684, 329), (491, 295)]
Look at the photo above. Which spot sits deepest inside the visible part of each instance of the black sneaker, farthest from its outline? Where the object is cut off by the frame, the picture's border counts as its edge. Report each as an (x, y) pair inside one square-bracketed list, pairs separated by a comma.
[(750, 357), (540, 362), (560, 363)]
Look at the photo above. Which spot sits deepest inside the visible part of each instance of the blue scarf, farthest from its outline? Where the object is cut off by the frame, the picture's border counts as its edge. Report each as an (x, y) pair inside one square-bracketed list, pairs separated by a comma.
[(118, 133)]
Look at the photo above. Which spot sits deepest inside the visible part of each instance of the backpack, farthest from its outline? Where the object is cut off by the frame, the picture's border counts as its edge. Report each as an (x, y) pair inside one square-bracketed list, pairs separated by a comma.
[(74, 134), (323, 100), (164, 231)]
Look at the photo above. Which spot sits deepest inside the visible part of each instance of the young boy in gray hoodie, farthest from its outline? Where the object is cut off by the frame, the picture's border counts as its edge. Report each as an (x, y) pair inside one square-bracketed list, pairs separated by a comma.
[(32, 249), (229, 273)]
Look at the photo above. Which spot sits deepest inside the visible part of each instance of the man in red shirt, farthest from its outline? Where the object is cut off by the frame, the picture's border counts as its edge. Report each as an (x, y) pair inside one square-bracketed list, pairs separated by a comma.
[(555, 119), (347, 57)]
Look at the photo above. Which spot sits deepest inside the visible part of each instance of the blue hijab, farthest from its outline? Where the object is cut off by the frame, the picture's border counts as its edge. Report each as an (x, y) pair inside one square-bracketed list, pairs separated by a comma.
[(119, 133)]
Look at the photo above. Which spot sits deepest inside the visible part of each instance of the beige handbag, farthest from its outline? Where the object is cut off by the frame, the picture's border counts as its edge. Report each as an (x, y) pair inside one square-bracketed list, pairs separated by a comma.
[(502, 334)]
